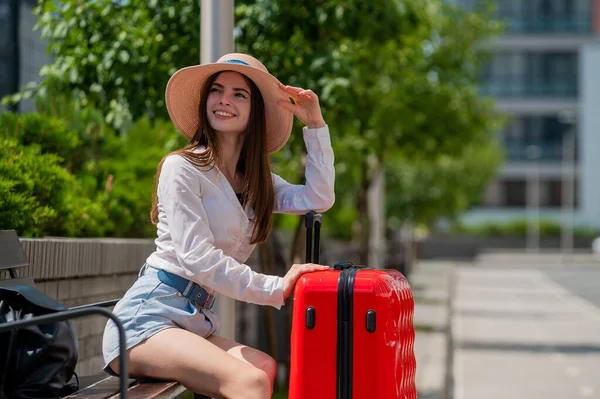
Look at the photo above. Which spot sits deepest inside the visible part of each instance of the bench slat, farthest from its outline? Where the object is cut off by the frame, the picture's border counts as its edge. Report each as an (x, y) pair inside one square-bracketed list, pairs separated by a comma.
[(108, 388), (103, 389), (155, 390)]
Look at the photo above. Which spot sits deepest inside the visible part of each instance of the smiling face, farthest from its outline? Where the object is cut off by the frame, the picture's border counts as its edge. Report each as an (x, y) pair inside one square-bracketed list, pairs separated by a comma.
[(228, 103)]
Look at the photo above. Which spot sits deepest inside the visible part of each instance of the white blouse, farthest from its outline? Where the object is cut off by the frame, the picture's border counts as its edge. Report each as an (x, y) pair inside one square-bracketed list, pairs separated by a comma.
[(203, 232)]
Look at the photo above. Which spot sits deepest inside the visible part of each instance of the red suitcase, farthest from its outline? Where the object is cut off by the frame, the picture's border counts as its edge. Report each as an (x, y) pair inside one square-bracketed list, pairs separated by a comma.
[(352, 333)]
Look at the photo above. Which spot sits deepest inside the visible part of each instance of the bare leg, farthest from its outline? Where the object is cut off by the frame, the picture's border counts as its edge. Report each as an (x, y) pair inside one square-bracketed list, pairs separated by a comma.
[(249, 355), (233, 371)]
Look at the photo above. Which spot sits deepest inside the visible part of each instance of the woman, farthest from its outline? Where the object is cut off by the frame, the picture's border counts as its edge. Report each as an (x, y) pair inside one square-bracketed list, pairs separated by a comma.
[(213, 202)]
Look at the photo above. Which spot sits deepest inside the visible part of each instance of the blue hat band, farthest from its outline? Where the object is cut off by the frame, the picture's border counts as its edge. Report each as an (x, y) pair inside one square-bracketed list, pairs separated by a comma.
[(239, 62)]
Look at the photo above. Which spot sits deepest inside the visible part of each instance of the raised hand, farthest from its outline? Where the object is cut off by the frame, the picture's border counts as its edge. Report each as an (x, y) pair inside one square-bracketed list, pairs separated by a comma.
[(306, 106)]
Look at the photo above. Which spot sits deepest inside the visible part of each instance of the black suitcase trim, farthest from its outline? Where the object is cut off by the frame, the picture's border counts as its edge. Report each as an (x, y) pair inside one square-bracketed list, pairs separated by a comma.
[(344, 333)]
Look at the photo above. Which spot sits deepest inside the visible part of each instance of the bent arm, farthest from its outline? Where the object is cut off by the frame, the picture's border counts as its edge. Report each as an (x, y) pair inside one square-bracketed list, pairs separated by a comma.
[(318, 192)]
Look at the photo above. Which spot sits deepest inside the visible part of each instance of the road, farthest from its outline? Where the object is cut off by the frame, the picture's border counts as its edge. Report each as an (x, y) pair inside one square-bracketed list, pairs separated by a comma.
[(584, 282)]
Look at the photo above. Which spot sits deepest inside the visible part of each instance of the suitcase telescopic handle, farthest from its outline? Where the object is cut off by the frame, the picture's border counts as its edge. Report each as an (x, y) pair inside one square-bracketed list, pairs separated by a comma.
[(313, 221)]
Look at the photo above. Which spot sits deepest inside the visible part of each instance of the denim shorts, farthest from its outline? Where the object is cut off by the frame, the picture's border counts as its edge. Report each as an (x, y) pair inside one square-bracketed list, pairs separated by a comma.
[(150, 306)]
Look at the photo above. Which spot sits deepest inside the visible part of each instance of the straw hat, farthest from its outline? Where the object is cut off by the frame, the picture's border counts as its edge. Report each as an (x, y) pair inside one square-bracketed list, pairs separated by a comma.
[(183, 96)]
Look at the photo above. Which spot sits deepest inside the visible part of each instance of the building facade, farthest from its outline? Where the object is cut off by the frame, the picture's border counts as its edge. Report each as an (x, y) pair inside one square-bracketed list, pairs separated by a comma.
[(22, 52), (545, 74)]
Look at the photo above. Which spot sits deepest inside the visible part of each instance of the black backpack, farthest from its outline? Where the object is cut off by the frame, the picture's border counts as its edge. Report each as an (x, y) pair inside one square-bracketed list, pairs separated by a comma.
[(37, 361)]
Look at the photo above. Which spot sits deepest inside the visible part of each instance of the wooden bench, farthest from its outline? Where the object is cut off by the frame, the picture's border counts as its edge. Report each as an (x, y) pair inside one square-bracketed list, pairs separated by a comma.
[(108, 388), (100, 386)]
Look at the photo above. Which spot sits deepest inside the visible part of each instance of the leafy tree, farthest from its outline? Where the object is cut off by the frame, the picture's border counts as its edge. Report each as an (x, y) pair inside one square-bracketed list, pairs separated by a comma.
[(397, 87), (428, 190), (116, 56)]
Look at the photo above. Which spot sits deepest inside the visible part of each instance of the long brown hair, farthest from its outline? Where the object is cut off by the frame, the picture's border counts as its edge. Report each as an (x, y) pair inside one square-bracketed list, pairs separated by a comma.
[(253, 164)]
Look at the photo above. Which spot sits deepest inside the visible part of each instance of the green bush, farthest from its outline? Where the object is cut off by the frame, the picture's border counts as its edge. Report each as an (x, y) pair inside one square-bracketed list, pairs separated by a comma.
[(31, 189), (86, 217), (77, 177), (126, 171), (52, 135), (38, 197), (519, 228)]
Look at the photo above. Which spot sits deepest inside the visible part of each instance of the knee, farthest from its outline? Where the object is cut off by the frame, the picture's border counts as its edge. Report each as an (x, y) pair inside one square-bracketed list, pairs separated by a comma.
[(256, 384), (269, 366)]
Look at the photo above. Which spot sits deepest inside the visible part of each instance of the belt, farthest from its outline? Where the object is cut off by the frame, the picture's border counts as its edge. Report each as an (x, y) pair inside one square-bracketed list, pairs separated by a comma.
[(188, 289)]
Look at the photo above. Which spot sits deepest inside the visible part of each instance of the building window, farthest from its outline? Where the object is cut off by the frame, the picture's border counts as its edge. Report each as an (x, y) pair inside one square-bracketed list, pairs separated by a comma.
[(4, 78), (554, 196), (542, 16), (547, 133), (529, 74), (554, 193), (5, 52), (7, 63), (552, 74), (512, 193), (4, 26), (515, 193)]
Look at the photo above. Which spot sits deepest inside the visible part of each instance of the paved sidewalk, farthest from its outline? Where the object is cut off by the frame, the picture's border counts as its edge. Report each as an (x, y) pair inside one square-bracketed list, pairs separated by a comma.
[(430, 283), (517, 334)]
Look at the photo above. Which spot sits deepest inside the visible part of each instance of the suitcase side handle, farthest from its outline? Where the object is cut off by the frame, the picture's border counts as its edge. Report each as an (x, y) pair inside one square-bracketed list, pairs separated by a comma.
[(346, 264), (312, 221)]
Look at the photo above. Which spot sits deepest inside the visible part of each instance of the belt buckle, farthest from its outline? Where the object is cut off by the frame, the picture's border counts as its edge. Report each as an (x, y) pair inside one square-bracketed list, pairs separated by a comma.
[(198, 299), (210, 300), (203, 305)]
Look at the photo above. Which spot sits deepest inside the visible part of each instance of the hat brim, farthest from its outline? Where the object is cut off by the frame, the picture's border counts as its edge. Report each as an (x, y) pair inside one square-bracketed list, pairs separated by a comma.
[(183, 98)]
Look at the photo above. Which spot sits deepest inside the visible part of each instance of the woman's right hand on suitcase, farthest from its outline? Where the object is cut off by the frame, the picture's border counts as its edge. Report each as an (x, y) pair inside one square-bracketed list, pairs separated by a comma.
[(289, 281)]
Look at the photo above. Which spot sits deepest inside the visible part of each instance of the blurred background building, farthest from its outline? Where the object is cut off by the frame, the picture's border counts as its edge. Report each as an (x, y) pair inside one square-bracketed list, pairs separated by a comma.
[(545, 73), (22, 52)]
